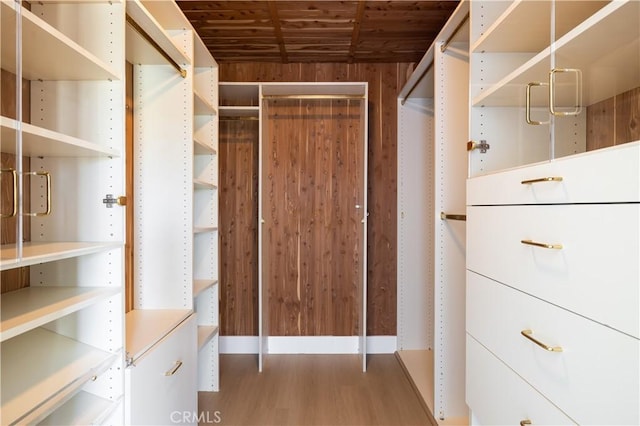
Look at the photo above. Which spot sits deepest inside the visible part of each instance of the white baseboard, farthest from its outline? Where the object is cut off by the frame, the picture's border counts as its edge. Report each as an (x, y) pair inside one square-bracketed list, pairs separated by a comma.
[(308, 344)]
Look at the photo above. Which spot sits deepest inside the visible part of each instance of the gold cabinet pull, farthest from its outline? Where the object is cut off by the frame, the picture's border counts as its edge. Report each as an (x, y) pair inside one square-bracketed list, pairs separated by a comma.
[(175, 368), (528, 104), (14, 178), (552, 91), (542, 179), (47, 210), (543, 245), (525, 422), (528, 335)]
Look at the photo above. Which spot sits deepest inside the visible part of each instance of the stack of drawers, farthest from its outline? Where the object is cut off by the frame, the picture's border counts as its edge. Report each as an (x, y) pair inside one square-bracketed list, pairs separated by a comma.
[(553, 297)]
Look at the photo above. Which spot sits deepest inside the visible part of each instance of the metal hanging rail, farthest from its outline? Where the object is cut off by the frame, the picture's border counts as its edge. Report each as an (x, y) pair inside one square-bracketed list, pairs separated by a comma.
[(413, 87), (448, 216), (156, 46), (327, 96), (457, 29)]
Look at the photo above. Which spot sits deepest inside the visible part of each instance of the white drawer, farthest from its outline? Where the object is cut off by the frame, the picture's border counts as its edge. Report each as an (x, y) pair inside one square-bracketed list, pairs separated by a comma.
[(596, 377), (162, 385), (498, 396), (605, 175), (596, 272)]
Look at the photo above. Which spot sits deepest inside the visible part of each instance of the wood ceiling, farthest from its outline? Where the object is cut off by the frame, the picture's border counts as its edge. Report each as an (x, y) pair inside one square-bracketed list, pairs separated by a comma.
[(318, 31)]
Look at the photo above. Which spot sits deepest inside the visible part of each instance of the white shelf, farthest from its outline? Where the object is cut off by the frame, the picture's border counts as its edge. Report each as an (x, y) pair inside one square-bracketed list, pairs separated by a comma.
[(34, 253), (83, 408), (608, 40), (47, 54), (140, 51), (239, 111), (201, 285), (202, 148), (41, 370), (31, 307), (146, 327), (200, 184), (38, 141), (523, 17), (205, 334), (201, 106), (204, 229)]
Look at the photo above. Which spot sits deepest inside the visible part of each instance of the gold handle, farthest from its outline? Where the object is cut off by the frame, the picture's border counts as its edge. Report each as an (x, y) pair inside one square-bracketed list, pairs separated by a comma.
[(543, 245), (449, 216), (528, 335), (174, 369), (543, 179), (48, 206), (527, 110), (552, 91), (525, 422), (14, 177)]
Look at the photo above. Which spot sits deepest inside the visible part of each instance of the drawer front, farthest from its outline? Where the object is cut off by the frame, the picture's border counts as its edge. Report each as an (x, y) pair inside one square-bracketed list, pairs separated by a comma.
[(595, 273), (162, 385), (595, 379), (498, 396), (606, 175)]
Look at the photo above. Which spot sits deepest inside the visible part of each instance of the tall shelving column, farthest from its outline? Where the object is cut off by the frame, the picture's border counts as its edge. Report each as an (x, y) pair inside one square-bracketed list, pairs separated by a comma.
[(431, 231), (206, 253), (71, 311)]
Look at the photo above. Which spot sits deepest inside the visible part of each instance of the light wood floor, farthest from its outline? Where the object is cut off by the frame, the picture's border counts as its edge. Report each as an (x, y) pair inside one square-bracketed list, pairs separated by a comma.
[(327, 390)]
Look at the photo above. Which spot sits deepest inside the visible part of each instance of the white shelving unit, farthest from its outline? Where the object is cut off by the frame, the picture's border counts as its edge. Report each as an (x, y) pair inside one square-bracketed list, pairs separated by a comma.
[(176, 269), (561, 167), (432, 164), (71, 312)]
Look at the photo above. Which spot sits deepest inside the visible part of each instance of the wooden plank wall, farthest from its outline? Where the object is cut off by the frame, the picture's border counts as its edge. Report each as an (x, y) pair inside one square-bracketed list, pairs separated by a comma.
[(385, 81), (313, 241), (13, 279), (238, 150), (614, 121)]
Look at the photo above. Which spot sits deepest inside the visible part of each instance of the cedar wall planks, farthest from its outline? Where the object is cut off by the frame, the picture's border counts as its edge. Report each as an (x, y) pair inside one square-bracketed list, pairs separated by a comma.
[(385, 81)]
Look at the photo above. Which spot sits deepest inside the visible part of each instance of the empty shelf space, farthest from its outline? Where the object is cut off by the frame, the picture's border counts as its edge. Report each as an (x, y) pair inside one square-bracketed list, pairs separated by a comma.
[(37, 141), (83, 408), (201, 184), (202, 148), (201, 285), (202, 106), (34, 253), (205, 334), (28, 308), (46, 52), (31, 388)]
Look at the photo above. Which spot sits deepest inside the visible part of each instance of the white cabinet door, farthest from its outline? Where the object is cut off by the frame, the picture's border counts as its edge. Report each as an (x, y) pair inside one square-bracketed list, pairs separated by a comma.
[(162, 383)]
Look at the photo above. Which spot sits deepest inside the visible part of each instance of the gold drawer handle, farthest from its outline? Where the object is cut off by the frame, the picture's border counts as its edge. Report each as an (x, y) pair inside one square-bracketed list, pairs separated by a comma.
[(528, 335), (525, 422), (14, 178), (47, 209), (543, 179), (174, 369), (543, 245)]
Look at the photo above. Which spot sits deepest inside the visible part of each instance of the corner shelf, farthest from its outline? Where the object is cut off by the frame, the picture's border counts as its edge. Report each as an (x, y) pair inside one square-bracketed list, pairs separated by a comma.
[(205, 334)]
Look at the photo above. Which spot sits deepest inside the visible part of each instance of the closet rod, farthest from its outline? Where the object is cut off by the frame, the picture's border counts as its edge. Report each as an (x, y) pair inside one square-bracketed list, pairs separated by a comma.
[(417, 82), (359, 97), (155, 45), (447, 216), (453, 34)]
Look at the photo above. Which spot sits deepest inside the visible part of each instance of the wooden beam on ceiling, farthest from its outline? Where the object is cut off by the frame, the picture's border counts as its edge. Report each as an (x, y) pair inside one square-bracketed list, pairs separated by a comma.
[(355, 35), (273, 12)]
